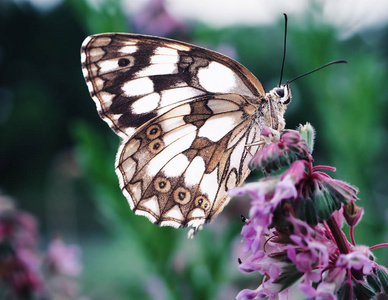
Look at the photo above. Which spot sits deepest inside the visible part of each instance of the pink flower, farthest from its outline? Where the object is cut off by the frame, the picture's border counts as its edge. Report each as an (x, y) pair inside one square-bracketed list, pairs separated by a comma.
[(293, 231), (355, 260), (324, 291), (156, 20), (64, 259), (21, 271), (247, 295), (266, 195), (289, 148)]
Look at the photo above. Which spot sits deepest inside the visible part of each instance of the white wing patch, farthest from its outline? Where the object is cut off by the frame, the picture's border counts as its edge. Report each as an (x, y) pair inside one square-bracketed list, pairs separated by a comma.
[(151, 204), (107, 97), (96, 53), (158, 69), (217, 78), (174, 213), (177, 166), (194, 172), (173, 96), (146, 104), (128, 49), (179, 133), (149, 216), (209, 184), (197, 213), (173, 122), (140, 86), (129, 167), (109, 65), (216, 127), (218, 106), (170, 59), (169, 152)]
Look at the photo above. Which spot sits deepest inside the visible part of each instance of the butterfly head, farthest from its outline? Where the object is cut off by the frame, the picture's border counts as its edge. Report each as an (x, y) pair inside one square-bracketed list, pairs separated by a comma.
[(275, 106), (281, 94)]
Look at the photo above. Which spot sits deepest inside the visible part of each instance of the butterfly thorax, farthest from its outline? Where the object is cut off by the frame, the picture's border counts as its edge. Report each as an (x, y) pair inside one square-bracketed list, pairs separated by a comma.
[(273, 107)]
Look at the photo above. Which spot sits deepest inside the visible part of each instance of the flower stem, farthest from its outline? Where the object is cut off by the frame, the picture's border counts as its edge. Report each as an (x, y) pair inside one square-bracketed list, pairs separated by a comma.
[(338, 235), (351, 233), (378, 246), (339, 238)]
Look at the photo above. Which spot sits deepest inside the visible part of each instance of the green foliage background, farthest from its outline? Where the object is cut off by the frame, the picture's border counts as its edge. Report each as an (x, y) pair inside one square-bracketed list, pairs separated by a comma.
[(57, 156)]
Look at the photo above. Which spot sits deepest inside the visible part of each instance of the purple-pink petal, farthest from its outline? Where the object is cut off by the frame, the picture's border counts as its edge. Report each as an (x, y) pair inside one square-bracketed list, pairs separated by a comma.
[(247, 295), (285, 189), (308, 290), (296, 171), (355, 260), (64, 258)]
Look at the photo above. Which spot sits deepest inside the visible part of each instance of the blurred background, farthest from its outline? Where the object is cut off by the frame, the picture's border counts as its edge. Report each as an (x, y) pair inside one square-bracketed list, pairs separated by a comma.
[(57, 156)]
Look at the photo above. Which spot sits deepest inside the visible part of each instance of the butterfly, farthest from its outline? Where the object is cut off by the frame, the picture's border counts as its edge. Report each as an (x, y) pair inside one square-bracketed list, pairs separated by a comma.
[(190, 120)]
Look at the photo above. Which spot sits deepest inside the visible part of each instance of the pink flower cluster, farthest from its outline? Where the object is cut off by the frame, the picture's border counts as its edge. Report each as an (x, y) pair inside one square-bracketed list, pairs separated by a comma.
[(293, 234), (25, 272), (156, 19)]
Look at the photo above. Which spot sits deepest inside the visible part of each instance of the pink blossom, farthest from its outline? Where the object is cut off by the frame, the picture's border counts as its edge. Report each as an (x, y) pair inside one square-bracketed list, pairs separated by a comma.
[(64, 259), (355, 260), (266, 195), (247, 295), (294, 230), (22, 274), (289, 148), (261, 262), (155, 19), (324, 291)]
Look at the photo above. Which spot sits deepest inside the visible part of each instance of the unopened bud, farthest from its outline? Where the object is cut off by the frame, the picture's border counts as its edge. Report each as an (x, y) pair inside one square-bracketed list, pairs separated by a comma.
[(352, 213), (382, 275), (307, 133)]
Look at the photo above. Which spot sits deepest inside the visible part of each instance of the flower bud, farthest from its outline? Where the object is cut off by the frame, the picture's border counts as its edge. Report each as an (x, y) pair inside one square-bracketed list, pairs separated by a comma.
[(283, 153), (306, 211), (345, 290), (374, 282), (307, 133), (382, 275), (352, 213), (363, 290), (322, 201)]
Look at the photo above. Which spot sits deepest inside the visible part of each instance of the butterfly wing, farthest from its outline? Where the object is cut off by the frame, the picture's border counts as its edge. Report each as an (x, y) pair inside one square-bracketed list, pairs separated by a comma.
[(177, 169), (185, 115)]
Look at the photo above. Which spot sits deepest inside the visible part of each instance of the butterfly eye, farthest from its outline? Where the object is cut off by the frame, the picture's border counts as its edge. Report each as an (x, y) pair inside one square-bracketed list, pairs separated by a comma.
[(280, 92)]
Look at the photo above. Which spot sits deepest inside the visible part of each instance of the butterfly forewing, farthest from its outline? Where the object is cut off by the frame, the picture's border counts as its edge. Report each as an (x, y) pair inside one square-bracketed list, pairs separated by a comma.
[(185, 115), (133, 78)]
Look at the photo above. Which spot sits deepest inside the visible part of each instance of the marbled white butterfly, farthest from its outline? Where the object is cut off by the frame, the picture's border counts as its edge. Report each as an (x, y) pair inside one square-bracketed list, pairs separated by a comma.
[(189, 119)]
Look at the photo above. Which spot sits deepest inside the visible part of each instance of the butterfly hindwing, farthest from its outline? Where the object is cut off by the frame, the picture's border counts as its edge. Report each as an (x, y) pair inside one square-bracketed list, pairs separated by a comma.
[(186, 116), (177, 169)]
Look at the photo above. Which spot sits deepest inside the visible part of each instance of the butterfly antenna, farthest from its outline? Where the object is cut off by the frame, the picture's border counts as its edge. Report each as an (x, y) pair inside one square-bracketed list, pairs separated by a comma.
[(284, 47), (324, 66)]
